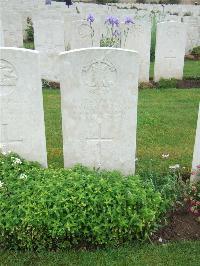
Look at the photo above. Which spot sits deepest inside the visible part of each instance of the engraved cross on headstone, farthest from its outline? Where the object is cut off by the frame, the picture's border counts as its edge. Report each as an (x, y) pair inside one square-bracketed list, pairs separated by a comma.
[(99, 140), (4, 140)]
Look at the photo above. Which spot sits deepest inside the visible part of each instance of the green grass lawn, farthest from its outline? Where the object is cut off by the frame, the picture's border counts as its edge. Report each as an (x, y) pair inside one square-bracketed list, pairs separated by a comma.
[(191, 69), (184, 254), (166, 124)]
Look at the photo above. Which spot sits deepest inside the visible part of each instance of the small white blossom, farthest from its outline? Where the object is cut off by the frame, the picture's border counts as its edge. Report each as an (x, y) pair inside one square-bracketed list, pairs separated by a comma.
[(23, 176), (160, 239), (136, 159), (165, 156), (5, 153), (16, 160), (1, 184), (174, 167)]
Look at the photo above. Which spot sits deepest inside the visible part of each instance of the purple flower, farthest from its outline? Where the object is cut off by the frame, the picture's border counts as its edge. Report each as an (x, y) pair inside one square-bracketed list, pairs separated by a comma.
[(112, 21), (128, 21), (90, 18)]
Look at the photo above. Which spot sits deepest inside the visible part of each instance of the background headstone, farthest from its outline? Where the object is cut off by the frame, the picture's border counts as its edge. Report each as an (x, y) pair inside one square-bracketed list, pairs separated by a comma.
[(12, 29), (139, 39), (1, 35), (49, 41), (193, 32), (21, 105), (99, 94), (84, 35), (170, 50), (196, 155)]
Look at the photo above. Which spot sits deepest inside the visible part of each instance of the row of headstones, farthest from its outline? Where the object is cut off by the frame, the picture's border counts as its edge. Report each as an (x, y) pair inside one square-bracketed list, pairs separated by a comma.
[(52, 36), (180, 9), (100, 12), (98, 104)]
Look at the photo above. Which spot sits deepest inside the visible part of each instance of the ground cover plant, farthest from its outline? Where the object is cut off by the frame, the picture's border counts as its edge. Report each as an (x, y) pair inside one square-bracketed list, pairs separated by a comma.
[(57, 209)]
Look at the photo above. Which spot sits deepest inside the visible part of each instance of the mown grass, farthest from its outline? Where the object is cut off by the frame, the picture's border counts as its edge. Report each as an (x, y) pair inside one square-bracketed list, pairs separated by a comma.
[(183, 253), (191, 69), (166, 124)]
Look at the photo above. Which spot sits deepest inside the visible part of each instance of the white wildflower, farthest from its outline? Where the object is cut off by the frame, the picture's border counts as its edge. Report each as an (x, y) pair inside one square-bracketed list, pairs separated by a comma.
[(23, 176), (16, 160), (165, 156), (1, 184), (174, 167), (160, 239)]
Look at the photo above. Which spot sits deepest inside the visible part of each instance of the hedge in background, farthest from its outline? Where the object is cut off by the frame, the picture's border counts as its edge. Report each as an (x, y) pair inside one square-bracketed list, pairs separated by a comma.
[(56, 209)]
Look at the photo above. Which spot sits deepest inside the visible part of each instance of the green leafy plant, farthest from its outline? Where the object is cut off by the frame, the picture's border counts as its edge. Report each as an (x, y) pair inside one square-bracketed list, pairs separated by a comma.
[(55, 209), (153, 38), (196, 51), (30, 31), (167, 83), (170, 184)]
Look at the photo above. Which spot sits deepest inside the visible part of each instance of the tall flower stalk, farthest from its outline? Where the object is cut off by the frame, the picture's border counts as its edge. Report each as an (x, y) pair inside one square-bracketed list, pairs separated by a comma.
[(90, 20), (128, 23)]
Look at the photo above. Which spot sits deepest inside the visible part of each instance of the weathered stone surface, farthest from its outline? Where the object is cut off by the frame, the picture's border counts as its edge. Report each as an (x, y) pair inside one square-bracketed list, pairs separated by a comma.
[(12, 29), (170, 50), (137, 37), (196, 155), (99, 91), (1, 35), (49, 41), (84, 35), (193, 32), (21, 105)]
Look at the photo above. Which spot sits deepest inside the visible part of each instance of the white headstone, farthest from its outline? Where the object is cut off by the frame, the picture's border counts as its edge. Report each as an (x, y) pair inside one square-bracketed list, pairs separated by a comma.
[(99, 92), (139, 39), (1, 35), (12, 29), (21, 105), (170, 50), (196, 155), (84, 35), (193, 32), (49, 41)]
